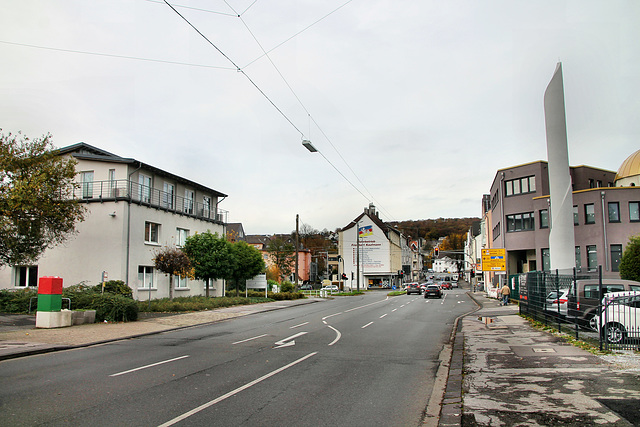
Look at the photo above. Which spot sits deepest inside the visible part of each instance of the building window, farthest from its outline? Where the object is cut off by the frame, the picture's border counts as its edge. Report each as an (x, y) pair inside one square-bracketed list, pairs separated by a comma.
[(87, 184), (113, 192), (589, 214), (592, 258), (546, 260), (496, 231), (168, 195), (520, 186), (144, 188), (151, 232), (576, 216), (181, 236), (592, 183), (520, 222), (578, 259), (616, 257), (206, 206), (614, 211), (188, 201), (544, 218), (180, 282), (25, 276), (145, 277), (634, 211)]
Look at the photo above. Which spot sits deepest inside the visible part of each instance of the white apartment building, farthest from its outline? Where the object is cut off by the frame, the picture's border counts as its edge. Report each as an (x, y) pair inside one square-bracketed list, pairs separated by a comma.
[(133, 210)]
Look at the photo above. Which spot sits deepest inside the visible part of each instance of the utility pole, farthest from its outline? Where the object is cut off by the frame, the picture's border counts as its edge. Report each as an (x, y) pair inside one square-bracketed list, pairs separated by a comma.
[(297, 244)]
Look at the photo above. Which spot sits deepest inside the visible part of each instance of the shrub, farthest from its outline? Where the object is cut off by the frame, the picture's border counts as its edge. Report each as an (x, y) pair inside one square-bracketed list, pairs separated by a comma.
[(17, 301), (117, 287), (286, 287), (115, 308), (281, 296)]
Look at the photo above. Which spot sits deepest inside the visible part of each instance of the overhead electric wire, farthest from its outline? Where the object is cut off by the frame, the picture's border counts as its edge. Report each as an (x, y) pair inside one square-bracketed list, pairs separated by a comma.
[(237, 67), (197, 8), (265, 53), (299, 32), (136, 58)]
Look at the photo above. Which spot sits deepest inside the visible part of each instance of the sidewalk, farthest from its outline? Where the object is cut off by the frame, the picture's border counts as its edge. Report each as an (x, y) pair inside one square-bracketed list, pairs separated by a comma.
[(19, 337), (504, 372)]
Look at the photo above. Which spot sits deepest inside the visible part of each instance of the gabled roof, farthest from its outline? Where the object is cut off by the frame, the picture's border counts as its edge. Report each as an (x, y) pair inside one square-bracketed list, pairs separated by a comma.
[(386, 228), (85, 151)]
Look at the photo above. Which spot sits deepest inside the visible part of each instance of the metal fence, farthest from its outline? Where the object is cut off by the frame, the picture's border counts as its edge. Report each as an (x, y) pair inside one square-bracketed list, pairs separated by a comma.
[(584, 306), (145, 195)]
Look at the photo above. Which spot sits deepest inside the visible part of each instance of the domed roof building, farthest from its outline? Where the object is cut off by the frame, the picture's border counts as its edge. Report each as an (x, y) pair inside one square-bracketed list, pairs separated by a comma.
[(629, 173)]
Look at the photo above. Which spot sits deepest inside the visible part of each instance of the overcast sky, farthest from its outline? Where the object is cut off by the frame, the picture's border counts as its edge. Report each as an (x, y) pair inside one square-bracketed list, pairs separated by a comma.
[(417, 103)]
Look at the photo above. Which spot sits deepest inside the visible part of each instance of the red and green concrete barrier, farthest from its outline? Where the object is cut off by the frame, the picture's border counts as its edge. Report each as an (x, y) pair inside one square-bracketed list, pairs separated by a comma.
[(50, 313)]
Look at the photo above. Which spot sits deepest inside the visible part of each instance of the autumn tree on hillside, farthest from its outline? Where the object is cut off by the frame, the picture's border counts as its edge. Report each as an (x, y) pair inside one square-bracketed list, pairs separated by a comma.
[(173, 262), (37, 209), (454, 242)]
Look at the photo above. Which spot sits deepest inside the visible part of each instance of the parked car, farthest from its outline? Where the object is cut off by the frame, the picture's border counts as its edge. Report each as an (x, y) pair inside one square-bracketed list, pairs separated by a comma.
[(557, 299), (433, 291), (621, 319), (331, 288), (584, 298), (611, 298), (306, 288), (413, 288), (445, 285)]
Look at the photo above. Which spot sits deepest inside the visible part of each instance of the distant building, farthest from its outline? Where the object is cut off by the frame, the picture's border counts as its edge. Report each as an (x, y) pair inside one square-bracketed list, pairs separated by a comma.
[(235, 232), (261, 242), (382, 251), (133, 210)]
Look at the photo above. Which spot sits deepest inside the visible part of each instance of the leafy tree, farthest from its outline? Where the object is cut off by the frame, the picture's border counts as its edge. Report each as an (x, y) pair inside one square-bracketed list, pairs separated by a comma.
[(247, 262), (282, 255), (37, 208), (210, 256), (630, 263), (174, 262)]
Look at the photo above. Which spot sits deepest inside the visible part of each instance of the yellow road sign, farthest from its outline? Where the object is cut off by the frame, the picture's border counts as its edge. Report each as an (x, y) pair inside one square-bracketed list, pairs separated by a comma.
[(494, 259)]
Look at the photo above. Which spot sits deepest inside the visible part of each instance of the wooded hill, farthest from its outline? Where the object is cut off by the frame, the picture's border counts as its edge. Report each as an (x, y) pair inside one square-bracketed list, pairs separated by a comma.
[(433, 229)]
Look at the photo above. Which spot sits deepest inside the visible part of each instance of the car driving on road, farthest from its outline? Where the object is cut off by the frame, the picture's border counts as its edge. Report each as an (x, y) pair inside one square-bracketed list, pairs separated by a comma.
[(433, 291), (413, 288)]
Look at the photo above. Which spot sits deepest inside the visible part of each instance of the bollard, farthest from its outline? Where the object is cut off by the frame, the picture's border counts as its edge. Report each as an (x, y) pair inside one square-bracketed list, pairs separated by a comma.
[(49, 314)]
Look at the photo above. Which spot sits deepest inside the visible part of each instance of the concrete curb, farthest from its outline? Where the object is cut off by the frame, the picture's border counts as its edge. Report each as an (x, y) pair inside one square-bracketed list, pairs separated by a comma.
[(451, 406)]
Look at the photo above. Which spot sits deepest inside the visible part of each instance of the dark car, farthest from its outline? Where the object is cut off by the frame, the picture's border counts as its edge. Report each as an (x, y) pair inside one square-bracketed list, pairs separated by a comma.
[(433, 291), (413, 288)]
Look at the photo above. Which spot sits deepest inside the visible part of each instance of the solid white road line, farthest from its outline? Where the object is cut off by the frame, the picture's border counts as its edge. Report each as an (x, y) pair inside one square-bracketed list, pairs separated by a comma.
[(297, 326), (249, 339), (148, 366), (234, 392)]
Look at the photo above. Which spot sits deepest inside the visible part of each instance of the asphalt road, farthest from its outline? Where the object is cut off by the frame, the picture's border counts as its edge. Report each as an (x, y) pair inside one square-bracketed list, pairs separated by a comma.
[(353, 361)]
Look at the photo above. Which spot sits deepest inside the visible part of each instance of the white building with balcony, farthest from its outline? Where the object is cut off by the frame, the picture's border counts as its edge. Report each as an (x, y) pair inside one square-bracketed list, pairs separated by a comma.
[(133, 210)]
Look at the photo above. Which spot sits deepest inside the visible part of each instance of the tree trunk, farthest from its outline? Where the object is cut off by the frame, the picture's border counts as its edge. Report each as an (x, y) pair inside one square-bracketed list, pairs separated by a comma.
[(207, 283), (171, 286)]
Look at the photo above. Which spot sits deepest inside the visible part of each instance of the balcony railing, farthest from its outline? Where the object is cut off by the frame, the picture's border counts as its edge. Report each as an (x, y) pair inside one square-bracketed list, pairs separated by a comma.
[(101, 191)]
